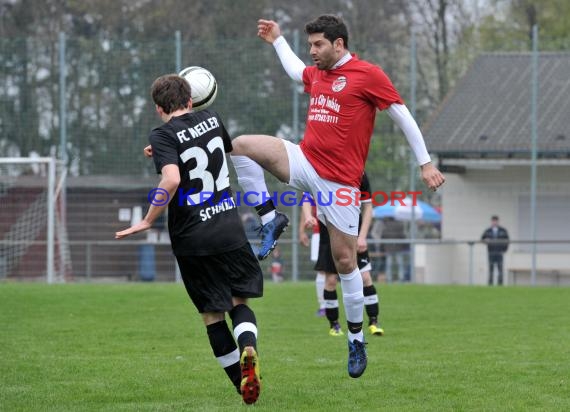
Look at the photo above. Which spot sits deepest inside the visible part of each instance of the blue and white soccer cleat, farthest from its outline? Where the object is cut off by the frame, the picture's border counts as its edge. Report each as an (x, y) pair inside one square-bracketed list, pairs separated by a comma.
[(270, 232), (357, 358)]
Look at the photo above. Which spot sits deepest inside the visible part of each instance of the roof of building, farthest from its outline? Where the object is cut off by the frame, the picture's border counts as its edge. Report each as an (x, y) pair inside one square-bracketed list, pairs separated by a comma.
[(488, 113)]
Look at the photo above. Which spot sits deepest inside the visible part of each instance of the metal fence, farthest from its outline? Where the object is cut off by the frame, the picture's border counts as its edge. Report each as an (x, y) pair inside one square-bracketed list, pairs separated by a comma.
[(89, 99), (152, 261), (86, 102), (155, 262)]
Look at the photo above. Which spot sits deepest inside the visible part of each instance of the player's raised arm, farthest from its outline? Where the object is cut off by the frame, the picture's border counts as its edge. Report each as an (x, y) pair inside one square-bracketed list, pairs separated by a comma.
[(431, 176), (269, 31)]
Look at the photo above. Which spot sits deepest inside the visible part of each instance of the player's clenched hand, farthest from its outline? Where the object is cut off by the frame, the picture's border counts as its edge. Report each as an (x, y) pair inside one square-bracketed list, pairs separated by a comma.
[(139, 227), (148, 151), (432, 177), (310, 222), (361, 245), (268, 30), (304, 239)]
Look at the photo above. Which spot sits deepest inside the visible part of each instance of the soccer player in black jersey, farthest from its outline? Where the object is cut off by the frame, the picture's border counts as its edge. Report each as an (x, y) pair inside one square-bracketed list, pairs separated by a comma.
[(218, 267)]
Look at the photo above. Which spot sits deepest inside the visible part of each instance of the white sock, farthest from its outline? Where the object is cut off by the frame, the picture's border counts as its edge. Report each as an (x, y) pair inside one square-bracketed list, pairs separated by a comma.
[(268, 217), (250, 176), (352, 295), (355, 336), (252, 180), (320, 286)]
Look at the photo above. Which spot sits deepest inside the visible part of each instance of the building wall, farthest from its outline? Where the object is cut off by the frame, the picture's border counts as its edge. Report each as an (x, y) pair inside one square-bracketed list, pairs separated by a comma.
[(469, 200)]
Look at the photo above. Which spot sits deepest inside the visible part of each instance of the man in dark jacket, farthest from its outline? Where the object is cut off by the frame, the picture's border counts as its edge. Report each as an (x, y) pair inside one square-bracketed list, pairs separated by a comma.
[(497, 239)]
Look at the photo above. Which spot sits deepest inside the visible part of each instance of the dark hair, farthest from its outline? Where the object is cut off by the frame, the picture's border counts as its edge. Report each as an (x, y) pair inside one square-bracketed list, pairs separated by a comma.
[(331, 26), (171, 92), (495, 217)]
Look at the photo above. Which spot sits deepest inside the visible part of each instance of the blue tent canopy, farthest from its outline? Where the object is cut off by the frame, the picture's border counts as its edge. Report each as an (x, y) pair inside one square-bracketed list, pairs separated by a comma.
[(423, 211)]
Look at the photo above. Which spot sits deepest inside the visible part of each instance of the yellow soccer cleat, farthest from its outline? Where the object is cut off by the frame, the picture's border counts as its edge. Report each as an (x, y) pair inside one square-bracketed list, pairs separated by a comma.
[(250, 379), (336, 330), (376, 330)]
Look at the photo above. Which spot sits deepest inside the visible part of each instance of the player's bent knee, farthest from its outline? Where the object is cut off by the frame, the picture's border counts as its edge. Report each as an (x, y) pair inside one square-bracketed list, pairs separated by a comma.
[(241, 145), (348, 276)]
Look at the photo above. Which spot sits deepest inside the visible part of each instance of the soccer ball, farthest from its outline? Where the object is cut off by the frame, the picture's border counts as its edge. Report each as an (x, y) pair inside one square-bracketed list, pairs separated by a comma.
[(202, 84)]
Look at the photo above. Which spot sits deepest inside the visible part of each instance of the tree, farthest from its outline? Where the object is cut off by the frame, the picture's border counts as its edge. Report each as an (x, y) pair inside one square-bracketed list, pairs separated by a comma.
[(511, 27), (441, 26), (115, 48)]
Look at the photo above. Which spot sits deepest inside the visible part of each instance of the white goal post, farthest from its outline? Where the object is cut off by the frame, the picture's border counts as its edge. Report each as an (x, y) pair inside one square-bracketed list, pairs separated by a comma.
[(29, 188)]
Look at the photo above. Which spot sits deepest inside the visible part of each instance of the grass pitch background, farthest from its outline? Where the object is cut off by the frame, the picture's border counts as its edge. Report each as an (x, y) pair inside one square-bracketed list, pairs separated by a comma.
[(142, 347)]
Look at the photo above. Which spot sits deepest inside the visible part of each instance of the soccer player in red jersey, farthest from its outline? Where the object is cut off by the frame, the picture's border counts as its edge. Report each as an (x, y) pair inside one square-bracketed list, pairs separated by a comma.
[(345, 93)]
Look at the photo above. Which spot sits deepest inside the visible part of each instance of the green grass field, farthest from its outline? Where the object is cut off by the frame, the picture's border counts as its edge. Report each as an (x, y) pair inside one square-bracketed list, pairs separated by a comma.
[(142, 347)]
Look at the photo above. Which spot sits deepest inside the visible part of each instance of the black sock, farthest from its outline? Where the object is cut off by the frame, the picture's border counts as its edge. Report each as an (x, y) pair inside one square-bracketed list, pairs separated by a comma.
[(354, 327), (223, 343), (265, 207), (331, 313), (372, 309), (243, 314)]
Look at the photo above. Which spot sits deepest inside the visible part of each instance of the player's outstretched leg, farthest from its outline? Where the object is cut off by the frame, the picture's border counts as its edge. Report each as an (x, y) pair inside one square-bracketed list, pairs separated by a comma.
[(273, 223), (250, 381), (270, 232)]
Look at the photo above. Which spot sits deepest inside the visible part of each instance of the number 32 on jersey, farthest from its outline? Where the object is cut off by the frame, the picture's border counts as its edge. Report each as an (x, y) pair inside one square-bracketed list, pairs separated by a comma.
[(209, 186)]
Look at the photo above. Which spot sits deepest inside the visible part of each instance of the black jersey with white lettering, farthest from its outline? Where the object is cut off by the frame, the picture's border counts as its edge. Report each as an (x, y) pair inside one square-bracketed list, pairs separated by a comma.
[(202, 215)]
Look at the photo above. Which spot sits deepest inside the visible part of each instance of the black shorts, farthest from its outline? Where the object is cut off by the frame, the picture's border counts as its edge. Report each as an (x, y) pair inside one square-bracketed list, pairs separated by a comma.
[(363, 260), (325, 261), (211, 281)]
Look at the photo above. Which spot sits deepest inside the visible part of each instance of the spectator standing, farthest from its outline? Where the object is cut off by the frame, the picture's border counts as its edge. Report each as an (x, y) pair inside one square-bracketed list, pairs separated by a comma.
[(497, 239)]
